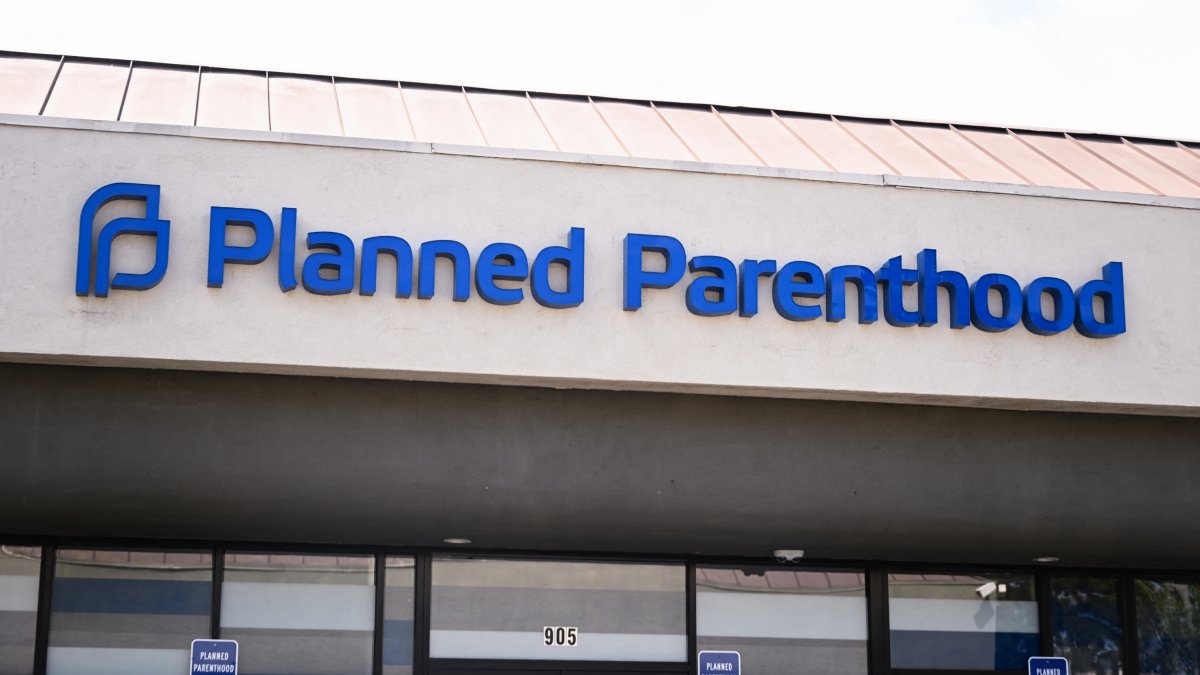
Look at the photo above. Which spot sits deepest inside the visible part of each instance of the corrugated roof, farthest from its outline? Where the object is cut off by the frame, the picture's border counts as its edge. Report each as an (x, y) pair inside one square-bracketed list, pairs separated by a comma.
[(87, 88)]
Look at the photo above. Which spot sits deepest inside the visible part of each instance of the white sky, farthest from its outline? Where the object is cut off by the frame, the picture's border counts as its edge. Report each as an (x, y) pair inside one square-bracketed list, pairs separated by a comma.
[(1130, 67)]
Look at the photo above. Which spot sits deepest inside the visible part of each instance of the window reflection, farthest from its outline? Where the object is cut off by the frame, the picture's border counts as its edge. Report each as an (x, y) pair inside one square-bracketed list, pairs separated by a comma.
[(784, 621), (127, 611), (399, 575), (962, 621), (1087, 626), (20, 569), (311, 614), (1168, 619)]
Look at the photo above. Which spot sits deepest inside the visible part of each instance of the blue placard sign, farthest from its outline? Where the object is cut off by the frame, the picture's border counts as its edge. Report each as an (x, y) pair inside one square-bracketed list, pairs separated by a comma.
[(214, 656), (1048, 665), (720, 663)]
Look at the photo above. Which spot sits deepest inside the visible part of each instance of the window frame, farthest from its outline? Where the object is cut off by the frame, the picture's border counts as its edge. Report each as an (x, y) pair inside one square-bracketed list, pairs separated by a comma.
[(878, 625)]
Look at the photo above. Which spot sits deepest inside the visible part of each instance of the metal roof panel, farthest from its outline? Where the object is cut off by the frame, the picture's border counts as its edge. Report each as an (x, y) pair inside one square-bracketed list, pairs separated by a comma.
[(707, 135), (966, 158), (576, 126), (897, 149), (1020, 158), (161, 95), (441, 115), (373, 110), (509, 121), (1141, 166), (88, 90), (771, 141), (233, 100), (302, 105), (834, 144), (25, 82), (1178, 158), (1075, 158), (642, 130)]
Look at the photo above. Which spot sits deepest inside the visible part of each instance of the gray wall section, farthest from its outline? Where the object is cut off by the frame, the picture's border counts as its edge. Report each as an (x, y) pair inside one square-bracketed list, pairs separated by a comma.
[(532, 609), (167, 454), (766, 656)]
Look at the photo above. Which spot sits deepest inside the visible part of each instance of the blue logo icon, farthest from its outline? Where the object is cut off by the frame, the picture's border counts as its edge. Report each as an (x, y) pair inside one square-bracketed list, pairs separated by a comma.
[(149, 225)]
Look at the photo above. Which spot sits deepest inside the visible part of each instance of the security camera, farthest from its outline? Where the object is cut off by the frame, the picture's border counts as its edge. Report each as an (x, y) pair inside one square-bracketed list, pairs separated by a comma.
[(788, 555), (985, 591)]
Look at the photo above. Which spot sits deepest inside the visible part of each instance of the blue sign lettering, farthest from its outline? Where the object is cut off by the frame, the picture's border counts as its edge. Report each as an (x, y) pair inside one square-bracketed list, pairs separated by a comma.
[(718, 287), (799, 284), (214, 656)]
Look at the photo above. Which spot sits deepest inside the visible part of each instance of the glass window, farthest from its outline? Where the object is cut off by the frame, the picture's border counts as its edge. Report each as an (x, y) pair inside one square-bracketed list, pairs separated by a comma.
[(20, 568), (1168, 622), (784, 621), (127, 611), (521, 609), (311, 614), (962, 621), (1086, 624), (399, 575)]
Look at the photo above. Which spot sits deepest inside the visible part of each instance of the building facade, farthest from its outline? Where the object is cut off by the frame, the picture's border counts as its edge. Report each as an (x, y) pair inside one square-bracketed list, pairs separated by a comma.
[(379, 377)]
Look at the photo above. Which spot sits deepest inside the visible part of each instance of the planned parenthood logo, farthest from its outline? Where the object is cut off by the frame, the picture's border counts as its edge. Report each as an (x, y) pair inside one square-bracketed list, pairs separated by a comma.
[(86, 272)]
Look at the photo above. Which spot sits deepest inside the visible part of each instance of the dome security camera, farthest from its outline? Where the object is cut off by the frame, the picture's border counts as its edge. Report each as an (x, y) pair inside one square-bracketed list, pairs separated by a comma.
[(788, 555)]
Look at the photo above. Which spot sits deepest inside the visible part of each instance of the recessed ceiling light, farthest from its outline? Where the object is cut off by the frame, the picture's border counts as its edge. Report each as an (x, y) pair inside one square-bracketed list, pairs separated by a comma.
[(456, 540), (1046, 558)]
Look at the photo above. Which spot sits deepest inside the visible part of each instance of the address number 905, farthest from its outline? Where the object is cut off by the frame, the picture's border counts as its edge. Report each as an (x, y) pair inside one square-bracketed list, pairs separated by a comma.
[(560, 636)]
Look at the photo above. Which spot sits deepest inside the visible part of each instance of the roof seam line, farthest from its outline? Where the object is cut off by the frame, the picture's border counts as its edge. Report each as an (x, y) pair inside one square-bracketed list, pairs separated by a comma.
[(926, 148), (125, 94), (475, 117), (786, 127), (337, 103), (407, 115), (863, 143), (270, 125), (737, 135), (673, 131), (53, 83), (196, 109), (609, 127), (545, 126), (989, 153)]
